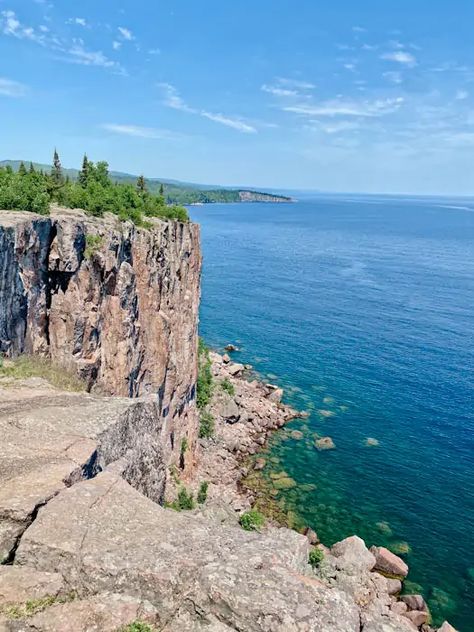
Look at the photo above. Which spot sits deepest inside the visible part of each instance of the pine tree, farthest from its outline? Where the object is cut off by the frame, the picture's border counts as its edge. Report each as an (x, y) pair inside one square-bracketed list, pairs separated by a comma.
[(162, 190), (22, 169), (84, 172), (141, 184), (32, 168), (57, 171)]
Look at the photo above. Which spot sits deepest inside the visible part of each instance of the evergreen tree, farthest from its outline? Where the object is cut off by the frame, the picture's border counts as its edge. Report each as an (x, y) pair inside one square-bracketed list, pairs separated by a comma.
[(32, 168), (57, 171), (22, 169), (162, 190), (141, 185), (84, 172)]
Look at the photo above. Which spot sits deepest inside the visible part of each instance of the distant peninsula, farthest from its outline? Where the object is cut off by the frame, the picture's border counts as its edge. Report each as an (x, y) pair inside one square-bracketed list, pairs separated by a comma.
[(175, 191)]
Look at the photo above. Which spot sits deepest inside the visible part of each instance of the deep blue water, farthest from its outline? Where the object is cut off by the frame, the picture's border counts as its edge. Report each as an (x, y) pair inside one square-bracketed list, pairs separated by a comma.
[(363, 307)]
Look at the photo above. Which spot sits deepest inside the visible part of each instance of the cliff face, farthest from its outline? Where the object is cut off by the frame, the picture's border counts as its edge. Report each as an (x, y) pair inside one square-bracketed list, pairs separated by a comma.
[(115, 302)]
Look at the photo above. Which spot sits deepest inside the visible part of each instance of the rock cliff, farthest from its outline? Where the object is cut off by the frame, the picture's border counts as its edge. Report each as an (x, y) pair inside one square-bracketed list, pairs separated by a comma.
[(117, 303)]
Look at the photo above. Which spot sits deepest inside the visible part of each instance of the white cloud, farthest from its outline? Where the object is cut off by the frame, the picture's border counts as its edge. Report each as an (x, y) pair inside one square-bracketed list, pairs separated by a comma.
[(116, 45), (278, 91), (78, 21), (400, 57), (172, 99), (297, 84), (79, 55), (235, 123), (9, 88), (339, 107), (461, 95), (125, 33), (154, 51), (137, 131), (359, 29), (11, 25)]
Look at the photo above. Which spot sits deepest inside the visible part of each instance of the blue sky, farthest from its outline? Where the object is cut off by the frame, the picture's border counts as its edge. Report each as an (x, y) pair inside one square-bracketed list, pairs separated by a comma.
[(337, 95)]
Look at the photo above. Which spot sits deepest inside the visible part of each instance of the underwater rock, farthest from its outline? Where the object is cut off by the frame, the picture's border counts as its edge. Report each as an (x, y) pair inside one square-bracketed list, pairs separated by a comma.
[(259, 464), (370, 441), (297, 434), (324, 443), (284, 483)]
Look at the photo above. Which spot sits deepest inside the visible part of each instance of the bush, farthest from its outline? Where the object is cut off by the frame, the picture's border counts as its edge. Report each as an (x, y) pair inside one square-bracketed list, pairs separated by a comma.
[(93, 244), (204, 381), (252, 520), (315, 558), (206, 425), (137, 626), (228, 387), (202, 493), (184, 501)]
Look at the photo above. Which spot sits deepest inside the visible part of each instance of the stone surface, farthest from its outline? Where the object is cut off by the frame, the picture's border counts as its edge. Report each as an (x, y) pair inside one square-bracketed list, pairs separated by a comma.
[(102, 535), (125, 316), (236, 369), (312, 536), (394, 586), (51, 438), (414, 602), (417, 617), (446, 627), (353, 552), (388, 562), (19, 584)]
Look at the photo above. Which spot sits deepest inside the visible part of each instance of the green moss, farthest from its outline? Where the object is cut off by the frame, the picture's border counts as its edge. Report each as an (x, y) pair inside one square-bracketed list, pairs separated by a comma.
[(252, 520), (33, 606), (137, 626)]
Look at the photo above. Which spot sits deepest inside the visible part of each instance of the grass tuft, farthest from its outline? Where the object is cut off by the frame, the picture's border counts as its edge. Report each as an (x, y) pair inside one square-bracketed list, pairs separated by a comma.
[(27, 366)]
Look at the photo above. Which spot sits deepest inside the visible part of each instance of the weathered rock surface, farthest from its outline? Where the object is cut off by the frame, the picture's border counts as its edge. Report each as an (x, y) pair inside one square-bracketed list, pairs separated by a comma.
[(388, 562), (122, 312), (50, 439)]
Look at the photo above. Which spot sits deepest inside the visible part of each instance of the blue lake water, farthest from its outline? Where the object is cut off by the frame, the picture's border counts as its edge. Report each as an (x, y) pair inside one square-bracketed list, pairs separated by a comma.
[(363, 308)]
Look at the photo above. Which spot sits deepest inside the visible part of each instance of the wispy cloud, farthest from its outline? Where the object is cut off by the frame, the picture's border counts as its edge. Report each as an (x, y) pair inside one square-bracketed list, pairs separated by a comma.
[(79, 55), (138, 131), (78, 21), (10, 88), (279, 91), (297, 84), (461, 95), (394, 76), (11, 25), (173, 99), (400, 57), (340, 107), (125, 33)]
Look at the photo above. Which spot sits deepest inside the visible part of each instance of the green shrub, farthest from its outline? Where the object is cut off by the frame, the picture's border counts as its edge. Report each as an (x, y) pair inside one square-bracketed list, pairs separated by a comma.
[(206, 425), (93, 244), (137, 626), (204, 381), (315, 558), (202, 493), (184, 501), (252, 520), (228, 387)]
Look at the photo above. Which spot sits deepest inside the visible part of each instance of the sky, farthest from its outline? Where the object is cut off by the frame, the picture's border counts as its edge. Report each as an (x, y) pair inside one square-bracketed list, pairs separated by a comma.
[(337, 95)]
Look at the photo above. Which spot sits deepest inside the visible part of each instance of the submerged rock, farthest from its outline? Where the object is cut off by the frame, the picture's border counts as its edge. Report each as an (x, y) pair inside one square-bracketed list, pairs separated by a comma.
[(324, 443)]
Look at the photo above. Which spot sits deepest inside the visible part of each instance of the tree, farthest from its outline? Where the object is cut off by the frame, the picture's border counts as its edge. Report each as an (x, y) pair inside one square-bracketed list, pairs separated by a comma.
[(84, 172), (101, 174), (22, 169), (141, 185), (32, 168), (57, 171), (162, 190)]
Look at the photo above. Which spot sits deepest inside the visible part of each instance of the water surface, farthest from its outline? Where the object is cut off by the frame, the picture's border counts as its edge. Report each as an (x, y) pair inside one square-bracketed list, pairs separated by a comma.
[(363, 309)]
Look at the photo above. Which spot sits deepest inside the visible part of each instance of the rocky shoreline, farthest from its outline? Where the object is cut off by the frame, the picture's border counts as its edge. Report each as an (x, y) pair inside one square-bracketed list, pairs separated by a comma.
[(244, 418)]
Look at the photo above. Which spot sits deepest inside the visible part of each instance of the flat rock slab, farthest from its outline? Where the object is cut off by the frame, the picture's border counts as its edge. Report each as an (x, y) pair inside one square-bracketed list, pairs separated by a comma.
[(102, 535), (51, 438), (19, 584)]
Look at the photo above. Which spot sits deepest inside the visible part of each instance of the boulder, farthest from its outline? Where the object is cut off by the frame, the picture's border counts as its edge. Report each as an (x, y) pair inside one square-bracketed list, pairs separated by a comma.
[(229, 410), (275, 395), (231, 347), (259, 464), (394, 586), (415, 602), (20, 584), (399, 607), (236, 369), (312, 536), (388, 563), (417, 617), (324, 443), (352, 552), (446, 627), (296, 434), (225, 358)]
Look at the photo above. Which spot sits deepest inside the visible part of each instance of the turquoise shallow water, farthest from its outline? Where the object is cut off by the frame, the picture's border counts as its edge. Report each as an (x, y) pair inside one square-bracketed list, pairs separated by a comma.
[(363, 307)]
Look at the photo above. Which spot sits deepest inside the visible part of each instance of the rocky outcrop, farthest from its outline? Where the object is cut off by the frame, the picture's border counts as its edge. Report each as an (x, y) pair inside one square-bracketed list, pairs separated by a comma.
[(117, 303)]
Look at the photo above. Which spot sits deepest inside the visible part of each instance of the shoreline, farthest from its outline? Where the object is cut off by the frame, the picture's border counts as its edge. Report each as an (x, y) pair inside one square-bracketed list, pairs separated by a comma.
[(232, 461)]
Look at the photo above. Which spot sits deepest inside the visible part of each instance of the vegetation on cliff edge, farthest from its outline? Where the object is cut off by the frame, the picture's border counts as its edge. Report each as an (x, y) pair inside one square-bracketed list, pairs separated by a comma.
[(93, 190)]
